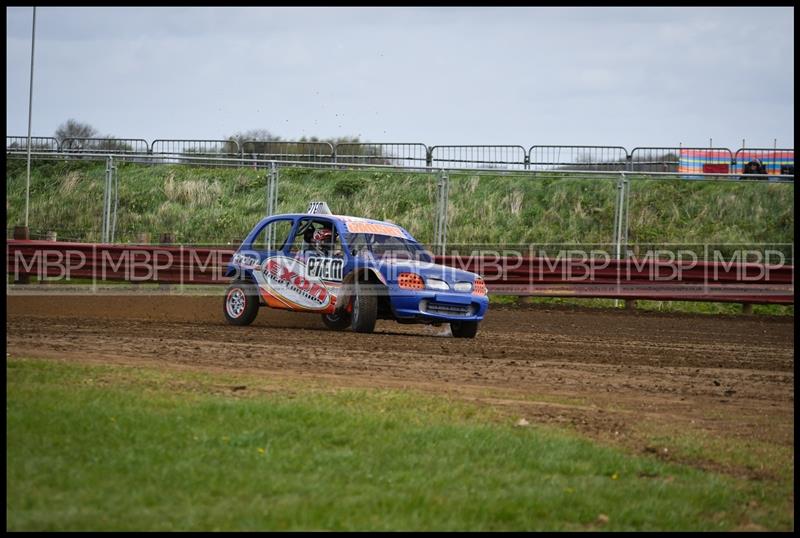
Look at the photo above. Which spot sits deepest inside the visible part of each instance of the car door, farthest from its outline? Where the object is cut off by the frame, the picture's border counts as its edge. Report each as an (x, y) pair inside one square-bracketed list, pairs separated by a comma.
[(300, 277)]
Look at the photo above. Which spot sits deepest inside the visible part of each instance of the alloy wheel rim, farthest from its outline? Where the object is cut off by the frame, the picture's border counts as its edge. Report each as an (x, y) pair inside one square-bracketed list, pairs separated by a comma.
[(235, 303)]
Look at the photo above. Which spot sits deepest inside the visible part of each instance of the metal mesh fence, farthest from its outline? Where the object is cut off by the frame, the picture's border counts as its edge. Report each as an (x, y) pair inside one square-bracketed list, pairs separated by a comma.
[(106, 145), (173, 150), (287, 151), (499, 157), (395, 154), (578, 158), (38, 143)]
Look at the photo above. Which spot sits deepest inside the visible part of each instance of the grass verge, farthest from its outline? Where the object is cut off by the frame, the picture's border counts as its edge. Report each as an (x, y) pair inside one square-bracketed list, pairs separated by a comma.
[(687, 307), (119, 448)]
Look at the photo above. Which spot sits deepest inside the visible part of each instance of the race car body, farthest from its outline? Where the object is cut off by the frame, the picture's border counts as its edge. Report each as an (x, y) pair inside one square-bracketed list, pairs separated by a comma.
[(352, 271)]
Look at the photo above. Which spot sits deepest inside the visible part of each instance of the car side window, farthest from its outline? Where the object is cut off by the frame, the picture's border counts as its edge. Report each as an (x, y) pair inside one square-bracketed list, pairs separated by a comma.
[(273, 236), (316, 237)]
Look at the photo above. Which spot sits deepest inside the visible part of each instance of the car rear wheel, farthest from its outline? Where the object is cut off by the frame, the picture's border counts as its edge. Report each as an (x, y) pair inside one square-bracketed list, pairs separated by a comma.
[(337, 322), (464, 329), (365, 311), (241, 303)]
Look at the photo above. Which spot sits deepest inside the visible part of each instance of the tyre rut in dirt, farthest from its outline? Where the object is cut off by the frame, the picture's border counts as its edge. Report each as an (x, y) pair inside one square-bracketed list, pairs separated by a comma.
[(241, 303), (464, 329)]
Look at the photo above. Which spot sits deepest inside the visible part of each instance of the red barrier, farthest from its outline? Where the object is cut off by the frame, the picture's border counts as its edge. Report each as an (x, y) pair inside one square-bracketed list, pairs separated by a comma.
[(523, 276)]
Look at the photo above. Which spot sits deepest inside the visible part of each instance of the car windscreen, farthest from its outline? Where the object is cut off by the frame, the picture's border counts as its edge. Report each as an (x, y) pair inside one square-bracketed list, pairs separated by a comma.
[(385, 246)]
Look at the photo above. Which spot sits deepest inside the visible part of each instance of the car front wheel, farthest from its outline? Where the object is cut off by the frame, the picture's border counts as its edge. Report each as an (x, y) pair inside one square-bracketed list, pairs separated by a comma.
[(241, 303), (365, 312)]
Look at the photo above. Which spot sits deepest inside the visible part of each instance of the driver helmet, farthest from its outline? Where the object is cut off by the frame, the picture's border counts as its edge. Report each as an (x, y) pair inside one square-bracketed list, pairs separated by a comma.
[(322, 239)]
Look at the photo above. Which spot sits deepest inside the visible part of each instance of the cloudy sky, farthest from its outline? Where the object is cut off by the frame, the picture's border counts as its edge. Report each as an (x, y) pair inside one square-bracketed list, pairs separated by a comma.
[(605, 76)]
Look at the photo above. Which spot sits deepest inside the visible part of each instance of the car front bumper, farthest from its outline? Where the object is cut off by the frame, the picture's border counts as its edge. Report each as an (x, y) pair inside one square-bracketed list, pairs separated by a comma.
[(431, 305)]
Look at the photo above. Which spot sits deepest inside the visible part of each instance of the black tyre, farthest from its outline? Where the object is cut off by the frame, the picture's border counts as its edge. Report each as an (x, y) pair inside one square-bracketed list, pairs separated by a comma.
[(365, 311), (464, 329), (241, 303), (337, 322)]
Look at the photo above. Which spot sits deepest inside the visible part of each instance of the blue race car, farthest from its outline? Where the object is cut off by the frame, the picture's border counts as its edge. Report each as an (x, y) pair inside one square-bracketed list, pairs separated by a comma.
[(353, 271)]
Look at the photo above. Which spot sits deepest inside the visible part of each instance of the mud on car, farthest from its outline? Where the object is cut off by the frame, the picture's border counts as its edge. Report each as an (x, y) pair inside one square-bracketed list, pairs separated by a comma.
[(350, 270)]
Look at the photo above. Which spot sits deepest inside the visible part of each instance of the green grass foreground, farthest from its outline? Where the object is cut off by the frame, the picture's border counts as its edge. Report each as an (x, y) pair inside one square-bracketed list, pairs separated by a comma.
[(121, 448)]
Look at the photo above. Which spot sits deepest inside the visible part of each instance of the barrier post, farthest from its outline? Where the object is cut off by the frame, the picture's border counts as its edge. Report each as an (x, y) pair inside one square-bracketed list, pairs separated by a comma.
[(22, 232), (272, 197), (106, 199), (166, 238), (619, 218), (440, 235)]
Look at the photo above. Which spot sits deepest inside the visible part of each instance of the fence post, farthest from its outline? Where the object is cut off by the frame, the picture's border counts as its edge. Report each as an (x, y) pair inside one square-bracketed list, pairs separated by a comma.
[(440, 238), (428, 157), (619, 210), (272, 198), (166, 238), (620, 216), (110, 193), (23, 233), (115, 192), (625, 228), (106, 198)]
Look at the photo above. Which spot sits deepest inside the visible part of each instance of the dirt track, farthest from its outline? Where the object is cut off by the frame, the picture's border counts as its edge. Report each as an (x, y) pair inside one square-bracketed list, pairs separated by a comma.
[(611, 374)]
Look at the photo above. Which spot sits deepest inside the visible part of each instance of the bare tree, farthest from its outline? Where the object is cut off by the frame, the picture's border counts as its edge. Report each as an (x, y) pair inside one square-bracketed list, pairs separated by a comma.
[(74, 129)]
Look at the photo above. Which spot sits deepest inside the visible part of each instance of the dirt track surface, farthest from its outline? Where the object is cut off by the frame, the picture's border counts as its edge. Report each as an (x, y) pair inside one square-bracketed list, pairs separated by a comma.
[(611, 374)]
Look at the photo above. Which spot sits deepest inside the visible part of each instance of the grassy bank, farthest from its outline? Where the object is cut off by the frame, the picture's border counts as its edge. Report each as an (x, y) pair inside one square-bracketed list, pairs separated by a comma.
[(119, 448), (214, 204)]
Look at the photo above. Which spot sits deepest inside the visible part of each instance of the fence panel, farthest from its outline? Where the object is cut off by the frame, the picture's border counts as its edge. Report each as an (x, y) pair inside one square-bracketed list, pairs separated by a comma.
[(582, 158), (776, 160), (38, 143), (288, 151), (500, 157), (106, 145), (681, 160), (395, 154), (173, 150)]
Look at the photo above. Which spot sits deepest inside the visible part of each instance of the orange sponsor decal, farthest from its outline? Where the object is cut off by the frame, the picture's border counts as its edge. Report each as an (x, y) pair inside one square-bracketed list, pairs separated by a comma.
[(362, 227)]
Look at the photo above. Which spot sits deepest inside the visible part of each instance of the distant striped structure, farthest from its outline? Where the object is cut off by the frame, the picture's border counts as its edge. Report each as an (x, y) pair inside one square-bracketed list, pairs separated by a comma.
[(704, 161), (772, 159)]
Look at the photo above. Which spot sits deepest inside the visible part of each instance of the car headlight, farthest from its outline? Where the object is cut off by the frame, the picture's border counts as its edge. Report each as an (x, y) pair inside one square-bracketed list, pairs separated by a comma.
[(463, 286), (436, 284)]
